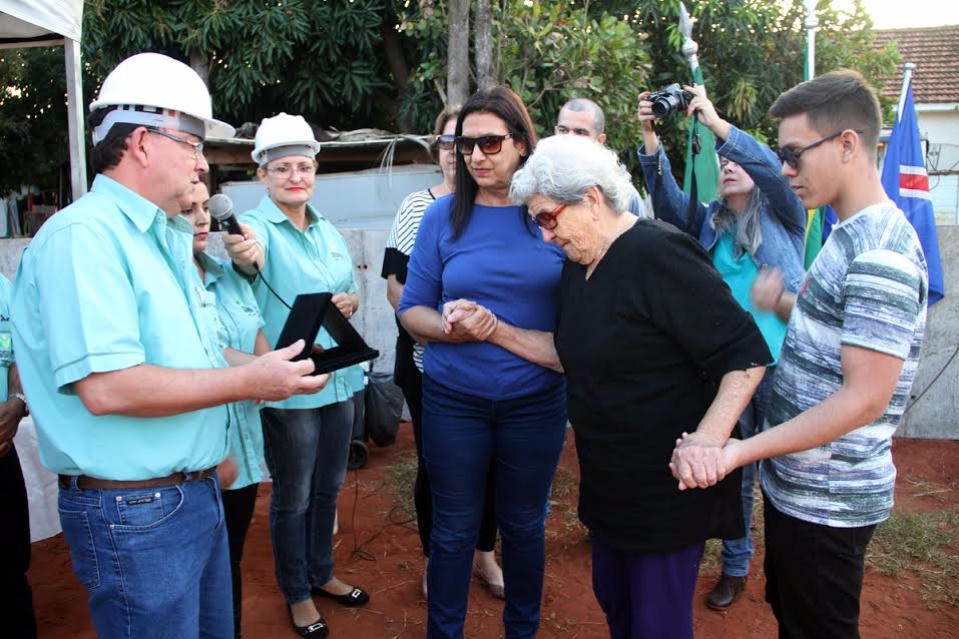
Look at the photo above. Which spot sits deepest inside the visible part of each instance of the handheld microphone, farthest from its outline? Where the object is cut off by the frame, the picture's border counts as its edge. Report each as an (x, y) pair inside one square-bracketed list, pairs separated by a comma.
[(221, 208)]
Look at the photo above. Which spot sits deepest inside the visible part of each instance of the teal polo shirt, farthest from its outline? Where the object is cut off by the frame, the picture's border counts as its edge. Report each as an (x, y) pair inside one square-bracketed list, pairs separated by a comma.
[(104, 286), (6, 340), (238, 321), (313, 261)]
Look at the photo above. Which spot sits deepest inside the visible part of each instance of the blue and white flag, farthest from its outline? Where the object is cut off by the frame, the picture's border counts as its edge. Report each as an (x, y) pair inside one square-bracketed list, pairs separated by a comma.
[(906, 183)]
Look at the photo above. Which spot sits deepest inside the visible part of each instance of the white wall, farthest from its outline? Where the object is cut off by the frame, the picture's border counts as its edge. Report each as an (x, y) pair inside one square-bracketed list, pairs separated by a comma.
[(941, 129)]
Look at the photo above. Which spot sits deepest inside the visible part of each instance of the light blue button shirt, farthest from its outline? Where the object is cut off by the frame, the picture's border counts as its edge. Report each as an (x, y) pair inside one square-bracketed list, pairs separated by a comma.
[(104, 286), (6, 340), (237, 321), (313, 261)]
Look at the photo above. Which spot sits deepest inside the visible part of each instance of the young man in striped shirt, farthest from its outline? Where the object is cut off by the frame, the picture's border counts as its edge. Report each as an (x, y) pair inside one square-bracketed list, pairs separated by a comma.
[(846, 367)]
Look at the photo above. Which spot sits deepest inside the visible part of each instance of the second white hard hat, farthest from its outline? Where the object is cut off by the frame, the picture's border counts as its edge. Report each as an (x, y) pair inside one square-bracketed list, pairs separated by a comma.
[(147, 87), (283, 135)]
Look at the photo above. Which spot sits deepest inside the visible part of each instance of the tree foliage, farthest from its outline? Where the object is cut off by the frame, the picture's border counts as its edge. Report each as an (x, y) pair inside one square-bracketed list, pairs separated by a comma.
[(32, 100), (360, 63), (750, 52), (321, 59)]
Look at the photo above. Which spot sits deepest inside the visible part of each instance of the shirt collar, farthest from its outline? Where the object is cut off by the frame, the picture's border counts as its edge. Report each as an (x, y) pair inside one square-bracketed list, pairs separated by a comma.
[(276, 216), (141, 211), (211, 267)]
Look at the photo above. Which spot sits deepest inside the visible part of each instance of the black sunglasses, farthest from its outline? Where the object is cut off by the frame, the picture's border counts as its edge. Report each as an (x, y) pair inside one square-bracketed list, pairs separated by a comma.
[(790, 157), (446, 141), (488, 144)]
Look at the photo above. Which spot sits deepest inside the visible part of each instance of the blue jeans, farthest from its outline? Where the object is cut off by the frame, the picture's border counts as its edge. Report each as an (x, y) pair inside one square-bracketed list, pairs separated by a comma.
[(736, 553), (462, 436), (306, 451), (154, 561)]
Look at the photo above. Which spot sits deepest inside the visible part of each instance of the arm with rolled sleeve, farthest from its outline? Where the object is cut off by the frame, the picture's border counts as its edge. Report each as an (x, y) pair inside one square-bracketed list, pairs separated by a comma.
[(882, 305), (670, 204), (762, 165), (89, 312)]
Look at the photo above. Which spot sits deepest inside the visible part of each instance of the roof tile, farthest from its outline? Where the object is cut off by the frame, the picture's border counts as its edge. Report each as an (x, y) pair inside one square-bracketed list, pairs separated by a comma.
[(935, 52)]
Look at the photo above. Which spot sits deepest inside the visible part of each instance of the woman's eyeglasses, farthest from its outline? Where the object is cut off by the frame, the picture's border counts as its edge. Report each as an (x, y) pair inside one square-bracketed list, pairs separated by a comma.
[(284, 171), (791, 158), (488, 144), (547, 219), (446, 141)]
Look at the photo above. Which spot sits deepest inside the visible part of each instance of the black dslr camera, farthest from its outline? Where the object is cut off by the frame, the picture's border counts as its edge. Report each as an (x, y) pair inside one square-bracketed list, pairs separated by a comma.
[(669, 100)]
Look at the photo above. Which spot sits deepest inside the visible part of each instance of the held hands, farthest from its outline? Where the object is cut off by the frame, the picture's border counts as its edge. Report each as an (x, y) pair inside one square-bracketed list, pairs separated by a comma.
[(698, 460), (245, 252), (467, 321), (767, 289), (274, 376)]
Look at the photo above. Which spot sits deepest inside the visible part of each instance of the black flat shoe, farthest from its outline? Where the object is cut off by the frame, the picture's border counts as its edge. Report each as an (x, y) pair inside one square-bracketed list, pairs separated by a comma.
[(316, 630), (353, 599)]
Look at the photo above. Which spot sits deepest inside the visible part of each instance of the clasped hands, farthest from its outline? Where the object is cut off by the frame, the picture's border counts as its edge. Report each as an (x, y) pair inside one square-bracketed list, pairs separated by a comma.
[(701, 460), (466, 321)]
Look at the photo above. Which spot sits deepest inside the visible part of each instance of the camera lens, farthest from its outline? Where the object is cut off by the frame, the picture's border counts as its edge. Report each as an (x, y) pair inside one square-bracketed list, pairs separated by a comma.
[(664, 106)]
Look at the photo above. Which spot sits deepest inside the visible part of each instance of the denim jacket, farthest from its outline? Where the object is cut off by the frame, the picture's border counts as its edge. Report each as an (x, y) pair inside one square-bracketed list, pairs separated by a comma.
[(782, 222)]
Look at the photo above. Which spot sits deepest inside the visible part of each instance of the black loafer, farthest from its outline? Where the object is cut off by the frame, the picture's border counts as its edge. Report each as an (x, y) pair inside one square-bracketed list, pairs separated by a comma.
[(353, 599), (316, 630)]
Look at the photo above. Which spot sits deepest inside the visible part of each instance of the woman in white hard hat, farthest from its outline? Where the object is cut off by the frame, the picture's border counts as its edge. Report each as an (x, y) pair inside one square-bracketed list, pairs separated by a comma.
[(307, 438)]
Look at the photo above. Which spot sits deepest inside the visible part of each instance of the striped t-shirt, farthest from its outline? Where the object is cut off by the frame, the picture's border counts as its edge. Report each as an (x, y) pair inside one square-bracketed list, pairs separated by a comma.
[(399, 245), (867, 288)]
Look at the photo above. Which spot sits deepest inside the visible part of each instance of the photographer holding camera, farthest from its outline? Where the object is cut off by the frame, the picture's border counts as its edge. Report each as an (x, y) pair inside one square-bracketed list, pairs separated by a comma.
[(757, 223)]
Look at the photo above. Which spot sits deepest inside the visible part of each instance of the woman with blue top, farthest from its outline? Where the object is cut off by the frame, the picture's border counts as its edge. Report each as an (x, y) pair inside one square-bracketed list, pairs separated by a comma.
[(757, 223), (307, 438), (408, 371), (478, 268), (238, 323)]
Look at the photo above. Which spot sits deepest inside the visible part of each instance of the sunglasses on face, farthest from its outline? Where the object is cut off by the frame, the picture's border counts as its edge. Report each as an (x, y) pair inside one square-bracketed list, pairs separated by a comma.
[(547, 219), (488, 144), (790, 157), (446, 141)]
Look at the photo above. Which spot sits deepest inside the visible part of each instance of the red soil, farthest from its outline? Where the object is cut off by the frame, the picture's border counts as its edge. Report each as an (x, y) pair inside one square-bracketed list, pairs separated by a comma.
[(890, 607)]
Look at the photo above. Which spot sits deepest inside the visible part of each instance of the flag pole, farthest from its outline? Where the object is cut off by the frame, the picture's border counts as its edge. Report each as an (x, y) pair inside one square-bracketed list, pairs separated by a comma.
[(812, 24), (907, 70), (690, 46)]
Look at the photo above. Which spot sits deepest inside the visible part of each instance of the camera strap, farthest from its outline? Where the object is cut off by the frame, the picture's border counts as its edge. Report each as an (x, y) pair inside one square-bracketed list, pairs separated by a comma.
[(695, 148)]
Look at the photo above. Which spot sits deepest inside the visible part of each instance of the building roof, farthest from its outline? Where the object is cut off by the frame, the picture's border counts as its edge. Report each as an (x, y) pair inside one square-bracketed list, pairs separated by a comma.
[(935, 52)]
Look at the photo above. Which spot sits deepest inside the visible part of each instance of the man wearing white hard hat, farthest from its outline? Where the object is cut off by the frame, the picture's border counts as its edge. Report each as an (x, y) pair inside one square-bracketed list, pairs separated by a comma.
[(307, 437), (123, 371)]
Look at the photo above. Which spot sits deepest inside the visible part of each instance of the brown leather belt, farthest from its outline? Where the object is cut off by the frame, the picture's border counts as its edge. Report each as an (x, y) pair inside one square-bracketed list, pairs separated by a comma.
[(173, 479)]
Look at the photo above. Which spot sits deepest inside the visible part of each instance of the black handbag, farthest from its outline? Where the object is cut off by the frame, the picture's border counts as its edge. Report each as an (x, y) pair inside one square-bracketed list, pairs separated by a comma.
[(384, 407)]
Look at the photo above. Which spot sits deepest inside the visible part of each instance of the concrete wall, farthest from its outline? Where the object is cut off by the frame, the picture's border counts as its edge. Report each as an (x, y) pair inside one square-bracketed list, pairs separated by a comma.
[(933, 414), (934, 410)]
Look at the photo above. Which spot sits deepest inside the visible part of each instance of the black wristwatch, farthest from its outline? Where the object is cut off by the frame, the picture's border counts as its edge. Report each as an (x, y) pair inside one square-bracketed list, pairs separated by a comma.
[(22, 398)]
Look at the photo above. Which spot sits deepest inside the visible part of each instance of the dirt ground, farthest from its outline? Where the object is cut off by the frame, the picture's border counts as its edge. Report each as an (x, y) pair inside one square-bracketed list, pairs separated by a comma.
[(389, 565)]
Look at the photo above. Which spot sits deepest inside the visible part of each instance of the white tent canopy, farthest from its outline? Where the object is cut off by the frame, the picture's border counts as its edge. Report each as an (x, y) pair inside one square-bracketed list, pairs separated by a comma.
[(25, 23)]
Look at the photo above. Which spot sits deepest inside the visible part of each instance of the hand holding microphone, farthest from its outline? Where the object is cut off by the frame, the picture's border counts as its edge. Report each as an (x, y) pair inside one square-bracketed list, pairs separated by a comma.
[(240, 241)]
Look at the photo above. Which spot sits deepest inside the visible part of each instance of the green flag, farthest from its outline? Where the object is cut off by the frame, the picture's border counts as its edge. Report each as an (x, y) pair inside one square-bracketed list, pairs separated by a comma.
[(707, 166)]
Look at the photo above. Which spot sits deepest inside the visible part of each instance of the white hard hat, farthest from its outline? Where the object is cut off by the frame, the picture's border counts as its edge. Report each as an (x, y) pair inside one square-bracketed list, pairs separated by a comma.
[(154, 89), (283, 135)]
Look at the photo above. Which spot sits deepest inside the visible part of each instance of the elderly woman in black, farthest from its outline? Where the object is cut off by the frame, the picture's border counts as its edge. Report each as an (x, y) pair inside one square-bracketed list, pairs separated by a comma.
[(654, 346)]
